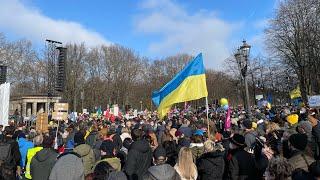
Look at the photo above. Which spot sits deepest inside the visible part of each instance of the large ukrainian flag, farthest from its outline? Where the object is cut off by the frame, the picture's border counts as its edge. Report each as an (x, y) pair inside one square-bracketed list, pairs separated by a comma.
[(189, 84)]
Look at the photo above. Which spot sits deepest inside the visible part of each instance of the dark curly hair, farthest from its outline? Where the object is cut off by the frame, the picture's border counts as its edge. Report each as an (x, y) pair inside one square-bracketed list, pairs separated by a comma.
[(279, 168)]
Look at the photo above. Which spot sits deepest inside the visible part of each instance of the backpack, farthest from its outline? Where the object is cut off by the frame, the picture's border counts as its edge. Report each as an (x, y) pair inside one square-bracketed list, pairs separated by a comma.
[(7, 164)]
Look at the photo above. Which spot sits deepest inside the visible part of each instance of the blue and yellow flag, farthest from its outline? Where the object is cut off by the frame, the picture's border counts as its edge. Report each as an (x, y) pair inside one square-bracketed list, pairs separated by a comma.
[(296, 93), (189, 84)]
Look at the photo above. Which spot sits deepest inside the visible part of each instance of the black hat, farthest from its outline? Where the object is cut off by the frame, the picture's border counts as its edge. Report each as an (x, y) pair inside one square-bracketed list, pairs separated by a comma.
[(79, 138), (299, 141), (158, 152), (247, 124), (238, 140), (108, 146)]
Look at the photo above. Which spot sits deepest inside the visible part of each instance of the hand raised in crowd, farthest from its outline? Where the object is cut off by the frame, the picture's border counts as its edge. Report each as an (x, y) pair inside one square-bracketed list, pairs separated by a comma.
[(268, 152), (312, 120)]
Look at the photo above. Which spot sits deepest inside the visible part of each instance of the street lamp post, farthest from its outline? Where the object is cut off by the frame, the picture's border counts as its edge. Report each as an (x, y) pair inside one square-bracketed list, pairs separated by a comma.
[(242, 56)]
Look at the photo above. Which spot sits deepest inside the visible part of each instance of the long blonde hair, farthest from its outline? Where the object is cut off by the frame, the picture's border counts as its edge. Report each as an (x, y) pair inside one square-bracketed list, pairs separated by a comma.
[(271, 126), (186, 167)]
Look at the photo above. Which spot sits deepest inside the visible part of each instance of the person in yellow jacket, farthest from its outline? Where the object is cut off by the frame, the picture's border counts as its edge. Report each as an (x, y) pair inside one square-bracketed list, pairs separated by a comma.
[(37, 141)]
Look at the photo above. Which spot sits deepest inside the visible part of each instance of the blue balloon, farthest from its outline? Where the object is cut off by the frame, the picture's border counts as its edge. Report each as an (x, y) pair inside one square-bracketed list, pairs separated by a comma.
[(226, 107)]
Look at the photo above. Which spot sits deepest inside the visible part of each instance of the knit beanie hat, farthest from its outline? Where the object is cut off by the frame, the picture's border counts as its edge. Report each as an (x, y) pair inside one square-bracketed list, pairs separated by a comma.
[(293, 119), (178, 133), (299, 141), (254, 125), (247, 124), (238, 140)]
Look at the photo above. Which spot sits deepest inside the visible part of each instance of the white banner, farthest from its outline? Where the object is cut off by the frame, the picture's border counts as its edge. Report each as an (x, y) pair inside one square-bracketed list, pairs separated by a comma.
[(314, 101), (258, 97), (4, 103), (116, 110)]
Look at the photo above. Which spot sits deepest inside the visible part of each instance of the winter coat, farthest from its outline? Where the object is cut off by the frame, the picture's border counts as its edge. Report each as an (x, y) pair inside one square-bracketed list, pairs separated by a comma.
[(42, 163), (161, 172), (117, 175), (87, 156), (139, 159), (30, 154), (197, 150), (240, 165), (16, 157), (186, 130), (113, 162), (69, 166), (24, 145), (250, 138), (122, 155), (316, 137), (300, 160), (92, 138), (211, 166), (96, 150)]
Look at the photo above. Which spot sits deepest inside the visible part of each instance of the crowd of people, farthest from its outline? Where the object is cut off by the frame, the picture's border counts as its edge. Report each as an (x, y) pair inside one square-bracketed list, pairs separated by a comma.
[(278, 143)]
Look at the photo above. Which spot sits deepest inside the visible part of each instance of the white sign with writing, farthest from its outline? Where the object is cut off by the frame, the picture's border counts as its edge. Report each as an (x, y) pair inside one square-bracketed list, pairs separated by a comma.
[(314, 101), (258, 97), (115, 110)]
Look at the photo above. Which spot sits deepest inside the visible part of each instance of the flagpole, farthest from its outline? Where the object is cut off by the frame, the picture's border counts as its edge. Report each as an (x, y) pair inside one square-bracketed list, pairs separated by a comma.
[(207, 107), (56, 138)]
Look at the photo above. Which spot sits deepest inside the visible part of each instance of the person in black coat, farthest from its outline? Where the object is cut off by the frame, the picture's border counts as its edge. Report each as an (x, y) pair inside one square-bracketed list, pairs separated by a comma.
[(316, 136), (211, 164), (239, 163), (9, 169), (139, 156)]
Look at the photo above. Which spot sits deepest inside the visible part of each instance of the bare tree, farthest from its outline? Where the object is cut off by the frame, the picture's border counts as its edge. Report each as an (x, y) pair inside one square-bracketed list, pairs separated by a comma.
[(294, 37)]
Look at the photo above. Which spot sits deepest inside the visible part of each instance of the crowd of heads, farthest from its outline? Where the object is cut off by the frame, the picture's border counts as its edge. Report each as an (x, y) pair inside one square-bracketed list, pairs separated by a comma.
[(277, 143)]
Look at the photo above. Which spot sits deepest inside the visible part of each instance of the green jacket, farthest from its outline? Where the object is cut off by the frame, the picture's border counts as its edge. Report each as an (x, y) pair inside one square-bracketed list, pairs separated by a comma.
[(114, 162), (87, 156), (197, 150)]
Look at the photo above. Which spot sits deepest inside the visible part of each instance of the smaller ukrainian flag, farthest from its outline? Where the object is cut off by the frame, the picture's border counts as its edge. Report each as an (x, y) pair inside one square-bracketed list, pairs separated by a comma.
[(296, 93), (189, 84)]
